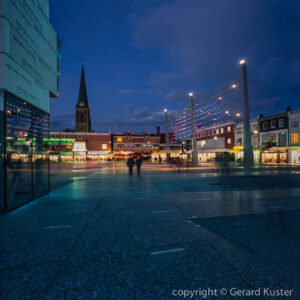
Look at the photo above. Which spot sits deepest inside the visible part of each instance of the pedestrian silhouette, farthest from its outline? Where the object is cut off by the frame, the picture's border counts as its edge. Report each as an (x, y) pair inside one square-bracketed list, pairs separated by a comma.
[(130, 164), (138, 163)]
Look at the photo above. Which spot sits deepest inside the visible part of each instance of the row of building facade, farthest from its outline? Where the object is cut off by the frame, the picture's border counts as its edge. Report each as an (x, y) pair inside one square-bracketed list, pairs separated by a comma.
[(275, 139)]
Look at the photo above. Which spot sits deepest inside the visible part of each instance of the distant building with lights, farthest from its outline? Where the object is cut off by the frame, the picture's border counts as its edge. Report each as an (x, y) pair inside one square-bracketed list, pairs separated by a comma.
[(79, 146)]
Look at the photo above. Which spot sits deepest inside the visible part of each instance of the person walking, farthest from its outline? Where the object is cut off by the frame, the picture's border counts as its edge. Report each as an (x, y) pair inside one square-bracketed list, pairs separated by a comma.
[(130, 164), (138, 163)]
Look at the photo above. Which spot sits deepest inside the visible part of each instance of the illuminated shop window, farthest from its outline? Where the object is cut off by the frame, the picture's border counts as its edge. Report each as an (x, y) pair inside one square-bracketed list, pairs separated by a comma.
[(104, 146), (295, 138)]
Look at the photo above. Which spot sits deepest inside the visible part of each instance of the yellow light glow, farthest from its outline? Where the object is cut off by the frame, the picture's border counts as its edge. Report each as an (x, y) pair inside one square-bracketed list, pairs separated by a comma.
[(220, 98), (165, 110), (238, 114), (255, 132), (233, 86), (242, 62), (191, 94), (226, 112), (215, 137)]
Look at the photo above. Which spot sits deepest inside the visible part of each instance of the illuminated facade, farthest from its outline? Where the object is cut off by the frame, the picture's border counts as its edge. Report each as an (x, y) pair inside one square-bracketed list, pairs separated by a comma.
[(79, 146), (128, 143), (29, 74)]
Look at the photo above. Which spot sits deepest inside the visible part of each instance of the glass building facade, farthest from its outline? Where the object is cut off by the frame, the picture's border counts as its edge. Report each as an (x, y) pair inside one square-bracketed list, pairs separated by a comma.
[(25, 173)]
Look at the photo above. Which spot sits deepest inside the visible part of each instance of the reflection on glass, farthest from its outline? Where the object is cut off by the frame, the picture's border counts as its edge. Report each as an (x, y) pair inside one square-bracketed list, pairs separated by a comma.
[(27, 156), (40, 154), (1, 151)]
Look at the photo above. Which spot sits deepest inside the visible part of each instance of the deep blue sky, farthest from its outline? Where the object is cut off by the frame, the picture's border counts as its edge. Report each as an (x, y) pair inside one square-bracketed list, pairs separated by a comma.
[(142, 56)]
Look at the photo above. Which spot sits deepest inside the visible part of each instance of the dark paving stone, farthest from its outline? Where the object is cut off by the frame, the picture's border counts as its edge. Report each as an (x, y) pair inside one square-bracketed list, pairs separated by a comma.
[(100, 238), (140, 275), (273, 236), (27, 282), (245, 183)]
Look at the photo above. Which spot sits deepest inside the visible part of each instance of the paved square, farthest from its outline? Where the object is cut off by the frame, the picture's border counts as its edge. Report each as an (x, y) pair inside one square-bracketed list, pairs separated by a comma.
[(104, 235)]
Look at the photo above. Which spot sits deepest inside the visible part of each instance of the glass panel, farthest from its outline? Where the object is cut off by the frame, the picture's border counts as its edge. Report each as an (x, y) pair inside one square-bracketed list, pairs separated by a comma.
[(40, 155), (1, 151), (18, 149)]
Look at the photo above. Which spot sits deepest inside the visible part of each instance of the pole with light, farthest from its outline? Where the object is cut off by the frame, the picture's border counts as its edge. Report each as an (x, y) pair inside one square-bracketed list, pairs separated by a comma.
[(167, 135), (248, 149), (193, 135)]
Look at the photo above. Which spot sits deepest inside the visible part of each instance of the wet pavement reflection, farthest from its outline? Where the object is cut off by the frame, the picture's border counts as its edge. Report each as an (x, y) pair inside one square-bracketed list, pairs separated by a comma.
[(103, 234)]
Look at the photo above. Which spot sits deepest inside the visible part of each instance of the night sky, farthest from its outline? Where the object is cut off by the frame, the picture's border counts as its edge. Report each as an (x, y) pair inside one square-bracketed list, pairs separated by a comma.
[(141, 56)]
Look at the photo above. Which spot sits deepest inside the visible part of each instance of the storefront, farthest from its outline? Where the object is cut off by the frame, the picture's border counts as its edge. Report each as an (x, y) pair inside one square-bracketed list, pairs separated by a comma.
[(295, 156), (239, 154), (274, 156)]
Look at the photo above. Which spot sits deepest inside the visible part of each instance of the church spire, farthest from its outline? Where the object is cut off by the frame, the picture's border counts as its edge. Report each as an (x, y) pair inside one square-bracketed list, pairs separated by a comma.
[(82, 96)]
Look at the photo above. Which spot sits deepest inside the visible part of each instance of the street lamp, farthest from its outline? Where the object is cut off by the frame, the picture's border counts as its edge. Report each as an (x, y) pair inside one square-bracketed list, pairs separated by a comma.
[(167, 135), (248, 149), (193, 136), (182, 147)]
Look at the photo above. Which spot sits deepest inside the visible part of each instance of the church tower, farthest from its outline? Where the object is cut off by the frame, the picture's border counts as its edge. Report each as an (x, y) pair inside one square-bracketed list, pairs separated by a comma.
[(83, 118)]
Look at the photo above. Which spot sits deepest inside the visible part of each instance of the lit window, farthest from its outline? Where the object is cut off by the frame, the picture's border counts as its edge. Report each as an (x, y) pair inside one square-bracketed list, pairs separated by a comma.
[(229, 141), (222, 130), (218, 131), (281, 123), (295, 138), (104, 146), (228, 129), (119, 140), (265, 125), (273, 124)]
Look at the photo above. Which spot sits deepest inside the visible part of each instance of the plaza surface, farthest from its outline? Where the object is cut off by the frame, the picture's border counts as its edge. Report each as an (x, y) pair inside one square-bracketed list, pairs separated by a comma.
[(103, 235)]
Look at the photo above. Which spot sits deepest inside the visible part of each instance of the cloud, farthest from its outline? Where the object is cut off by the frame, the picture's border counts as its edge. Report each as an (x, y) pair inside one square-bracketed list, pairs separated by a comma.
[(204, 40)]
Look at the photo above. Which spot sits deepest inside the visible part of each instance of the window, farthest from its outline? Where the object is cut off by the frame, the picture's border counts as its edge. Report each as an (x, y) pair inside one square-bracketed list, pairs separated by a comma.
[(295, 138), (66, 136), (281, 123), (295, 124), (218, 131), (229, 141), (281, 138), (104, 146), (265, 125), (222, 130), (228, 129), (53, 136), (79, 137), (273, 124)]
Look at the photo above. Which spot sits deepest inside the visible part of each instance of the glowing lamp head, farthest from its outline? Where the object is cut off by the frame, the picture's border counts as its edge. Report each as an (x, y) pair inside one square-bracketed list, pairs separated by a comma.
[(255, 132), (165, 110), (191, 94), (215, 137), (220, 98), (233, 86), (242, 62), (238, 114), (227, 112)]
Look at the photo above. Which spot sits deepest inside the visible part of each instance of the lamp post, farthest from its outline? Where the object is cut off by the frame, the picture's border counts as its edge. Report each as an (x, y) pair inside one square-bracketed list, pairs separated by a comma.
[(248, 149), (182, 147), (193, 136), (167, 135)]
